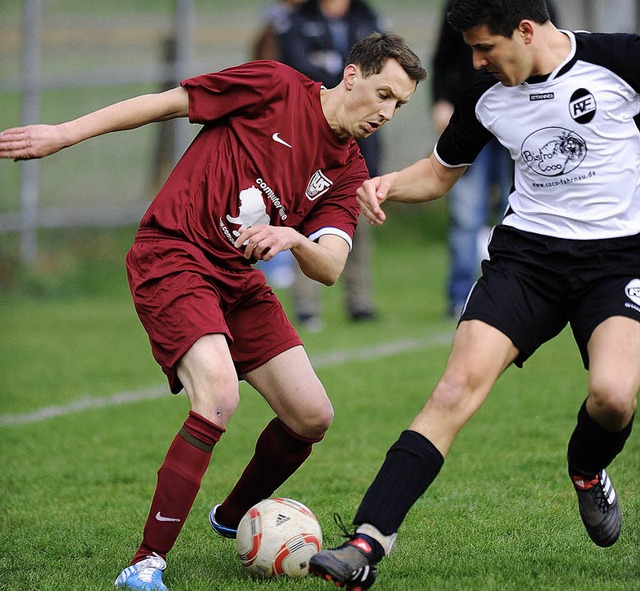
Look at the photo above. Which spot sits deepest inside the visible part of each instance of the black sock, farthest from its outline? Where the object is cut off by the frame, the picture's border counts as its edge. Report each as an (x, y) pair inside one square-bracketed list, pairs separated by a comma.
[(411, 465), (592, 448)]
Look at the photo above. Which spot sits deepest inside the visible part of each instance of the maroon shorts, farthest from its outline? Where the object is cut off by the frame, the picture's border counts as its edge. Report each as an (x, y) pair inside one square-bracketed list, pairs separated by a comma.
[(180, 296)]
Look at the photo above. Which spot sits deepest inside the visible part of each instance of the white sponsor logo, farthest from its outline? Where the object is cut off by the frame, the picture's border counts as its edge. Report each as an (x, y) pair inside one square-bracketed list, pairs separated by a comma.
[(544, 96), (269, 192), (160, 517), (276, 138), (633, 291), (253, 211), (553, 151), (318, 185)]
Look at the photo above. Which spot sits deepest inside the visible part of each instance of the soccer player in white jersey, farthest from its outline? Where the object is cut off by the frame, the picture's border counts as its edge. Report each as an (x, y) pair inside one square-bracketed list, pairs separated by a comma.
[(567, 108)]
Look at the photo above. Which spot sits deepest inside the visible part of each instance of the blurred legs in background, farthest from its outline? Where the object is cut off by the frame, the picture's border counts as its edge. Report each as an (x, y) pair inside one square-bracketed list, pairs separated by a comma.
[(472, 203), (358, 286)]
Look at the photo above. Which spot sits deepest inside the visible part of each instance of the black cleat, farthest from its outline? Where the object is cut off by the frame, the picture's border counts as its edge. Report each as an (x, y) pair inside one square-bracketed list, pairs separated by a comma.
[(599, 508), (350, 566)]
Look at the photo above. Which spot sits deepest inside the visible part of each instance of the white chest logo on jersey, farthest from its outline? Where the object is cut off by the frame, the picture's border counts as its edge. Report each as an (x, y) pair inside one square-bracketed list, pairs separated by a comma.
[(633, 291), (253, 210), (276, 138), (318, 185), (553, 151), (582, 106)]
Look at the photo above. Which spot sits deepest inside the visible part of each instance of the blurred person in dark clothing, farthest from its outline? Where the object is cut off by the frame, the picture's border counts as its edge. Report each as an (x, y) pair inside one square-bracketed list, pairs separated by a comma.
[(280, 270), (316, 42), (266, 45)]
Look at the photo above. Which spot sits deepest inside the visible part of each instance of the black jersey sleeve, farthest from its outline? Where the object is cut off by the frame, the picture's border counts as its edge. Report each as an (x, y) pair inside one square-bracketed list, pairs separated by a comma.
[(618, 52), (464, 137)]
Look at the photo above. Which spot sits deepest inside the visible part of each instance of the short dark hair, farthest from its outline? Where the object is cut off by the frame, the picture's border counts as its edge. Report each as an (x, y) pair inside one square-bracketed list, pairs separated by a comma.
[(502, 17), (372, 52)]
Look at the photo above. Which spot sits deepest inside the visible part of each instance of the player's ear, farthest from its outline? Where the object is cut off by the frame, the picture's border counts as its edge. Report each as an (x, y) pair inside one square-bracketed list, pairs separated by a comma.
[(526, 30), (349, 75)]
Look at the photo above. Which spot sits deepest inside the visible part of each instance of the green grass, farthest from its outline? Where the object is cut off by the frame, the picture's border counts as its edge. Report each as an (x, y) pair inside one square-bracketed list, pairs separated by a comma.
[(74, 490)]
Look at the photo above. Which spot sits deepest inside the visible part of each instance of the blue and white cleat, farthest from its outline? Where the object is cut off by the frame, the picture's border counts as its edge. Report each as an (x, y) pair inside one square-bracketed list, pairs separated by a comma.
[(221, 530), (145, 575)]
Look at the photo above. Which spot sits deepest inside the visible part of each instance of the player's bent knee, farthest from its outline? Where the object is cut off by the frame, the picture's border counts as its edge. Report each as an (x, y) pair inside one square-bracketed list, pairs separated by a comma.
[(612, 410), (615, 391), (315, 422), (216, 403), (322, 421), (451, 392), (620, 406)]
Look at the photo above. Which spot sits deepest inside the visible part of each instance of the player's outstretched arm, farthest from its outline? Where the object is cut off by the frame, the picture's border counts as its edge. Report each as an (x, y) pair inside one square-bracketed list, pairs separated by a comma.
[(371, 194), (37, 141), (423, 181)]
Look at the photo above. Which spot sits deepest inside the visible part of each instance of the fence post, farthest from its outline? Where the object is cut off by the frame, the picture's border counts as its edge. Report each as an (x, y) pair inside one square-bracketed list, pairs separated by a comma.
[(29, 186), (163, 161), (184, 28)]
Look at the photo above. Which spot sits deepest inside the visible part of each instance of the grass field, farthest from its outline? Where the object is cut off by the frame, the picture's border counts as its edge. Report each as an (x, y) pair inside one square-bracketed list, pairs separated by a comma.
[(85, 417), (75, 488)]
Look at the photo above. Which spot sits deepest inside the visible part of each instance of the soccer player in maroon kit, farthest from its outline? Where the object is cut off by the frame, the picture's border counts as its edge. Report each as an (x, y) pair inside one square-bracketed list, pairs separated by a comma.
[(275, 167)]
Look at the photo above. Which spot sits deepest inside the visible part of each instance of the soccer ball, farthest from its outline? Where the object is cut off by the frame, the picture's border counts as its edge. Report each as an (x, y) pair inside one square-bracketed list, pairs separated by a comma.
[(278, 537)]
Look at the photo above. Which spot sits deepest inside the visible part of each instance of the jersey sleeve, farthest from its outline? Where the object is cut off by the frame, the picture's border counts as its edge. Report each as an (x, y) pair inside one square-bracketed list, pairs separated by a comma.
[(337, 213), (618, 52), (464, 137), (230, 92)]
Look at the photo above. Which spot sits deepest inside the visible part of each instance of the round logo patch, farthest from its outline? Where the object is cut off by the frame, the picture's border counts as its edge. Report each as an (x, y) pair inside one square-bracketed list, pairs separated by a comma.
[(582, 106), (633, 291)]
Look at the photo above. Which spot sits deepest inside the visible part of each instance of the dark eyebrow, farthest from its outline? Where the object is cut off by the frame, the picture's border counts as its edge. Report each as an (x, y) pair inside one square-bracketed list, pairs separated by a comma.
[(393, 95)]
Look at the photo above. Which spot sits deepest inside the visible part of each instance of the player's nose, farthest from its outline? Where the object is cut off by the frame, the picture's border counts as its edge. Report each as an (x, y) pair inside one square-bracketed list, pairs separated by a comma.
[(387, 112), (479, 60)]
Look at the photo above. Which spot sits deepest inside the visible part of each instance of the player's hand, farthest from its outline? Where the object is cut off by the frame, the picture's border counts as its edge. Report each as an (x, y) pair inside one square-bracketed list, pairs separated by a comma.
[(263, 242), (32, 141), (371, 194)]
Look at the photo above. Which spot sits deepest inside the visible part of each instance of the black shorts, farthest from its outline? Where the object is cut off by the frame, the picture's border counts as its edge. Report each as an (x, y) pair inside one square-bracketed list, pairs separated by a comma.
[(533, 285)]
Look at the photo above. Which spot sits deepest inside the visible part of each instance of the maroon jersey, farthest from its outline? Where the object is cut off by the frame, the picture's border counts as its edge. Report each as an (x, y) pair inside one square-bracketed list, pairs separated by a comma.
[(265, 155)]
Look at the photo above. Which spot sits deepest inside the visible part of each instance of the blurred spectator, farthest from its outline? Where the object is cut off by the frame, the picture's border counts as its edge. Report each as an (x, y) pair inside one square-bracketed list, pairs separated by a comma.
[(265, 46), (316, 42), (280, 270), (480, 197)]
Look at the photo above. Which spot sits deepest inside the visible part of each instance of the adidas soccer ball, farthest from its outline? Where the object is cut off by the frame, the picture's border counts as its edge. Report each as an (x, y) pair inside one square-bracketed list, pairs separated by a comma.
[(278, 537)]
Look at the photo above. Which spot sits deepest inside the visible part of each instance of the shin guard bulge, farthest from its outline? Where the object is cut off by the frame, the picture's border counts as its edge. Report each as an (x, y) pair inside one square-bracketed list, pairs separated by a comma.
[(179, 479)]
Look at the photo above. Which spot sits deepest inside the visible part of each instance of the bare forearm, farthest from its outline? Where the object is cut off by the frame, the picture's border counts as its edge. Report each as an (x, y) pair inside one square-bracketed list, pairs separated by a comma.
[(37, 141), (322, 261), (422, 181), (128, 114)]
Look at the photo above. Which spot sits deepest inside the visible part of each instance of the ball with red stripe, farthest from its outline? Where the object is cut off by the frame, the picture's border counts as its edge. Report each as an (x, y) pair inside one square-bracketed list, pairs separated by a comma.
[(278, 537)]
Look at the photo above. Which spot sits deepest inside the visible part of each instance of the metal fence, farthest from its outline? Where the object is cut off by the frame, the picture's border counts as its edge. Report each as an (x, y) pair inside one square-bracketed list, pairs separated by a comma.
[(62, 58)]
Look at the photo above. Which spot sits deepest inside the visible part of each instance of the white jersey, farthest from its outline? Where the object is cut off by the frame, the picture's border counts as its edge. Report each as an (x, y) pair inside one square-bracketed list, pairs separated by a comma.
[(573, 135)]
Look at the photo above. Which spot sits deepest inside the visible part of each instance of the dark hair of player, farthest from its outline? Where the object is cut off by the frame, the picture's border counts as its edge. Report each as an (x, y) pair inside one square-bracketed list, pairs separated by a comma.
[(501, 16), (372, 52)]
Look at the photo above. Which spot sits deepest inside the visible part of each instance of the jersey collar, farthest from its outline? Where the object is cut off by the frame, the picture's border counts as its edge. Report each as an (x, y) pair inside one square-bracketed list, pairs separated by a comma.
[(561, 68)]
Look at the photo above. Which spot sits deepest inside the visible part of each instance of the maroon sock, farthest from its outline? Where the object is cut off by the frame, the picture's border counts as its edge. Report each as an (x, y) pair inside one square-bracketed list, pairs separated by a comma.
[(179, 480), (279, 453)]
